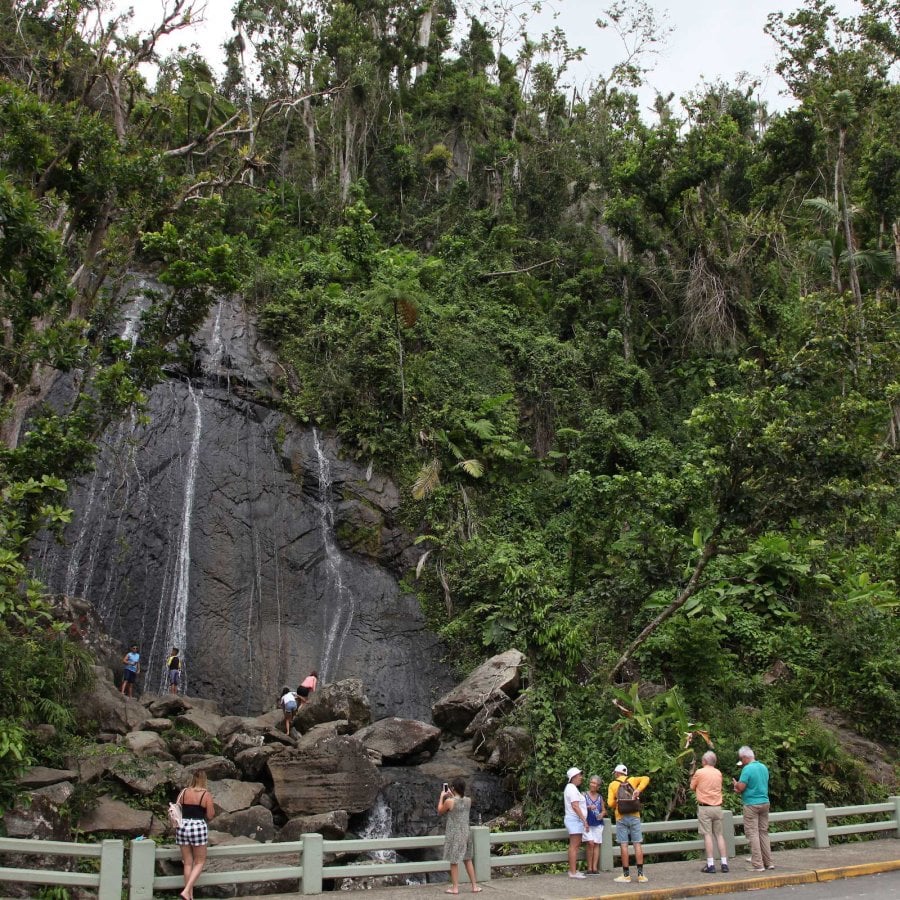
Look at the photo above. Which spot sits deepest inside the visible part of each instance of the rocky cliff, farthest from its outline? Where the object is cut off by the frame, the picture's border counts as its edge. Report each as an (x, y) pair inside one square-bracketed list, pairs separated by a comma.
[(218, 524)]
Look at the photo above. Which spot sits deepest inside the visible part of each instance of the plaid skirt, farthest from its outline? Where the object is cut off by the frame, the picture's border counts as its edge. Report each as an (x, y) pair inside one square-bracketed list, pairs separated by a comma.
[(192, 833)]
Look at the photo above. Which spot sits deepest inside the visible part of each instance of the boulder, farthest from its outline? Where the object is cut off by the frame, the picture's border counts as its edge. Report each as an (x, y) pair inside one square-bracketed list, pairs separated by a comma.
[(321, 732), (182, 745), (240, 741), (395, 739), (255, 822), (39, 815), (252, 762), (144, 775), (272, 719), (331, 825), (340, 700), (216, 768), (206, 720), (147, 743), (95, 761), (230, 795), (510, 748), (166, 706), (495, 680), (41, 776), (877, 758), (114, 817), (103, 708), (229, 725), (157, 725), (335, 774)]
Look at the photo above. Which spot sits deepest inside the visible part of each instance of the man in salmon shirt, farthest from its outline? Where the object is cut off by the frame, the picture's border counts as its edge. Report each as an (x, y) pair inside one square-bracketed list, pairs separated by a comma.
[(706, 783)]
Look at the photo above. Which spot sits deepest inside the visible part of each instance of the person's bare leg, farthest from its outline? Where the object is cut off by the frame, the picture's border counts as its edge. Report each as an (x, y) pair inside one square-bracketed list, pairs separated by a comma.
[(639, 854), (454, 879), (199, 861), (593, 857), (574, 844), (624, 848), (470, 871), (187, 858)]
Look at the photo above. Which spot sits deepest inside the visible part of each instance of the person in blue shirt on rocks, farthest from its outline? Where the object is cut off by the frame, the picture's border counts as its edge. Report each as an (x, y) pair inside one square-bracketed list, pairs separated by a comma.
[(753, 786), (132, 665)]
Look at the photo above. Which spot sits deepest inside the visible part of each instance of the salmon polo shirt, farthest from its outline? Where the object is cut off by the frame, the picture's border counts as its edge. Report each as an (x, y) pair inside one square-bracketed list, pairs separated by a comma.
[(707, 784)]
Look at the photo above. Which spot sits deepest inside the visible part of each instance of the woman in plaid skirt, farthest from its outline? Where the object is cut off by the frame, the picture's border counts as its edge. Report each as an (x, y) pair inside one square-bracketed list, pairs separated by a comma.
[(193, 834)]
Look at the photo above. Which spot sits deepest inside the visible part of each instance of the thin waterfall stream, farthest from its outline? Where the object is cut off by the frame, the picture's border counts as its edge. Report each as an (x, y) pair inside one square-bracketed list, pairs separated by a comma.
[(340, 606)]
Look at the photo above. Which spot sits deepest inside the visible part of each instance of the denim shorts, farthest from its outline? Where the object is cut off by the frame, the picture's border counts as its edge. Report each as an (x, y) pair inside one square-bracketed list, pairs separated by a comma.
[(628, 830)]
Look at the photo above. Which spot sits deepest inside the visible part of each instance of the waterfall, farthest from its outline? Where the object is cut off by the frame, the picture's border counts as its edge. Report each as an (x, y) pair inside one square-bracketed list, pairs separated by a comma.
[(340, 605), (176, 631), (378, 824)]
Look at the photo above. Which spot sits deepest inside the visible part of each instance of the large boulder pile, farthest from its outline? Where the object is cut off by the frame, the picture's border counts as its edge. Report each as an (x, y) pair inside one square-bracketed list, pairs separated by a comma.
[(327, 776)]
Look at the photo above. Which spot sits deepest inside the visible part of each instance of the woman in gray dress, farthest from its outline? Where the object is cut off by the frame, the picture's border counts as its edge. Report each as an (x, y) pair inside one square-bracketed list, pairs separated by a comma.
[(457, 840)]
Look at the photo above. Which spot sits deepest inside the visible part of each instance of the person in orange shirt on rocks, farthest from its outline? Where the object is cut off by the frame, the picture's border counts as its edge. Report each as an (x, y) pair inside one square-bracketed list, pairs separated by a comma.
[(706, 783)]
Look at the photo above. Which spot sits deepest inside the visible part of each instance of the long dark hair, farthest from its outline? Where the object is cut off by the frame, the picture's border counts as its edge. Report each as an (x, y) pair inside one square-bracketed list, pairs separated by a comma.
[(459, 786)]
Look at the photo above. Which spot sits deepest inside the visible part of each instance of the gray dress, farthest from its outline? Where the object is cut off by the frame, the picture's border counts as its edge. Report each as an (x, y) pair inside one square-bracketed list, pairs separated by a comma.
[(457, 838)]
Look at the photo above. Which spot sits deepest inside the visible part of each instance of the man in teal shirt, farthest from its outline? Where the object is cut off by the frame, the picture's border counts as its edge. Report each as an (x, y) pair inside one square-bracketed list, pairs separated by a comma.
[(754, 790)]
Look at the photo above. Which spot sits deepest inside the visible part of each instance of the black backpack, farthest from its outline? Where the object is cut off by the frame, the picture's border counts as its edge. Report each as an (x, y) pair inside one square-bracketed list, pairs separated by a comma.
[(626, 802)]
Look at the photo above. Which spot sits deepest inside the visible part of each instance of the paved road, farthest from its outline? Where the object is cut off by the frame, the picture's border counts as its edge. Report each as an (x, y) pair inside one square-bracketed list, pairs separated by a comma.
[(869, 887)]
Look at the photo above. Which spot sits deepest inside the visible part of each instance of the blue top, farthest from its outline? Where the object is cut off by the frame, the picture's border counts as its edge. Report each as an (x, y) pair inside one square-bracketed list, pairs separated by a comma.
[(131, 661), (756, 776)]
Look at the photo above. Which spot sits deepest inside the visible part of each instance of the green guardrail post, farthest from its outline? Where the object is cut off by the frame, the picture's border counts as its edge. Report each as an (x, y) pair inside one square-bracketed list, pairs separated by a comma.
[(481, 852), (141, 870), (112, 859), (820, 824), (728, 833), (313, 856), (606, 848), (896, 802)]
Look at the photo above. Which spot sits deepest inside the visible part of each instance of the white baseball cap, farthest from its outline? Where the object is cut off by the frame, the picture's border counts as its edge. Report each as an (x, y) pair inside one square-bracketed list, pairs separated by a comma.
[(621, 769), (572, 773)]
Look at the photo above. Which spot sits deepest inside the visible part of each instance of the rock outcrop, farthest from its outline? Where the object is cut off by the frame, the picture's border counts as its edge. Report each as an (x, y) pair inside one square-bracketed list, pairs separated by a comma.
[(491, 687)]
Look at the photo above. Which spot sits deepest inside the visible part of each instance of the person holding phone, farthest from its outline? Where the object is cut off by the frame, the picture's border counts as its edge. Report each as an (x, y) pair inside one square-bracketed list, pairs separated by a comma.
[(456, 806)]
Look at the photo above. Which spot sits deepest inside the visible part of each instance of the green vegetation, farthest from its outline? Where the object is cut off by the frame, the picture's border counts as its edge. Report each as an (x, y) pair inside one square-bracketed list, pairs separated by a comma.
[(637, 380)]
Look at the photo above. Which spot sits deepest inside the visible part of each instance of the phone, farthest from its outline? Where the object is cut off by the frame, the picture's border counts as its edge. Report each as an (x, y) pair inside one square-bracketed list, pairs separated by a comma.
[(446, 788)]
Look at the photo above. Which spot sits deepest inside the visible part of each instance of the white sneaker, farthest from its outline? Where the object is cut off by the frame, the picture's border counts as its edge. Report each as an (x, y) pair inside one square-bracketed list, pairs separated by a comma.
[(623, 879), (577, 875)]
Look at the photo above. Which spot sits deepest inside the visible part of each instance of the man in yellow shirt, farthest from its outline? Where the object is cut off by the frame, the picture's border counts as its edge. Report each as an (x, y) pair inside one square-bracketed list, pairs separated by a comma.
[(628, 817)]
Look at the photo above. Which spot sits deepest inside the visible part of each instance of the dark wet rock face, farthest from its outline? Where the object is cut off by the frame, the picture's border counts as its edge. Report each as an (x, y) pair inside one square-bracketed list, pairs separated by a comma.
[(223, 527)]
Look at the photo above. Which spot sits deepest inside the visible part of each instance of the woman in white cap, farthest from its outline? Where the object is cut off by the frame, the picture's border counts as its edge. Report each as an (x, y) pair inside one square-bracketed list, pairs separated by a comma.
[(575, 818)]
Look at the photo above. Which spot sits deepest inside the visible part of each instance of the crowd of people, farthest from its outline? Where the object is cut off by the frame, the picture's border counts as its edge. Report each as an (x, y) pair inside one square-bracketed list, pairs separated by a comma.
[(584, 814)]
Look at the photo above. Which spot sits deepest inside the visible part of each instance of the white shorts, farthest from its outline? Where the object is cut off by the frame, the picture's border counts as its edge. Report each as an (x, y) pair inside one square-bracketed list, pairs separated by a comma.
[(573, 824), (594, 834)]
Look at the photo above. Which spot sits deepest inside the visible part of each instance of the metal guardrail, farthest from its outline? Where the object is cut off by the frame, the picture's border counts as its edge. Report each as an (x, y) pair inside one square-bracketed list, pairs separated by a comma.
[(304, 860)]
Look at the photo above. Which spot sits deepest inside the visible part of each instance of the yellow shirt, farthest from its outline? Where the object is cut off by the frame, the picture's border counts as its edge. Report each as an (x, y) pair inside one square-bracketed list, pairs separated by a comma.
[(638, 782)]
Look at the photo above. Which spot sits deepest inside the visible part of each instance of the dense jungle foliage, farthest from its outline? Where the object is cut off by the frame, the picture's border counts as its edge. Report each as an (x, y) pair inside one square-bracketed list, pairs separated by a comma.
[(637, 375)]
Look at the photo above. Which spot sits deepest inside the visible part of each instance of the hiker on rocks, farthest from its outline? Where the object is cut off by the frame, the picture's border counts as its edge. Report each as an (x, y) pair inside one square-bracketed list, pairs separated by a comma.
[(574, 817), (192, 836), (132, 665), (706, 783), (624, 796), (753, 786), (288, 703), (454, 804), (310, 683), (173, 666), (593, 837)]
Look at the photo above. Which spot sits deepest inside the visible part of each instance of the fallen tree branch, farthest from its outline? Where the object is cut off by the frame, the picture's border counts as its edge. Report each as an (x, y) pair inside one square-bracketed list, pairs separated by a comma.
[(546, 262)]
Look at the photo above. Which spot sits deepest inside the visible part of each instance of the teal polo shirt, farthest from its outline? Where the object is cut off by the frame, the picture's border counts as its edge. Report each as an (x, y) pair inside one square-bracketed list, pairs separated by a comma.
[(756, 776)]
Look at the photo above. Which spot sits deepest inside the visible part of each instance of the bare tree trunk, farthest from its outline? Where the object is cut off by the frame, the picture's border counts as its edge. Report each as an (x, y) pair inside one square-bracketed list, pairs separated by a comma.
[(626, 302), (710, 549), (310, 122), (22, 401), (424, 39)]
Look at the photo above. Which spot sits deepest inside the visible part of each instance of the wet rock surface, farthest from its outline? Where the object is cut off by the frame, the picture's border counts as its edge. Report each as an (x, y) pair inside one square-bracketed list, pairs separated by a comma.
[(225, 528)]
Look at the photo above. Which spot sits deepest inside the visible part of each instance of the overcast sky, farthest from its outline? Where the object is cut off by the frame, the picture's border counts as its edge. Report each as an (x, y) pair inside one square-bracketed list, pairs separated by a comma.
[(711, 39)]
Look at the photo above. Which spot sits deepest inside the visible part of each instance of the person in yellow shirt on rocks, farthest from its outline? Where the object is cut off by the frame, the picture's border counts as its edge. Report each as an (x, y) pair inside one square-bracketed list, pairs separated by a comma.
[(624, 796)]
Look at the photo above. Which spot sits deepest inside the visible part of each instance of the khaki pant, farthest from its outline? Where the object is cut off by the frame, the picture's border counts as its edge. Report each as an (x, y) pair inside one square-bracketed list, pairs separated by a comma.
[(756, 830)]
